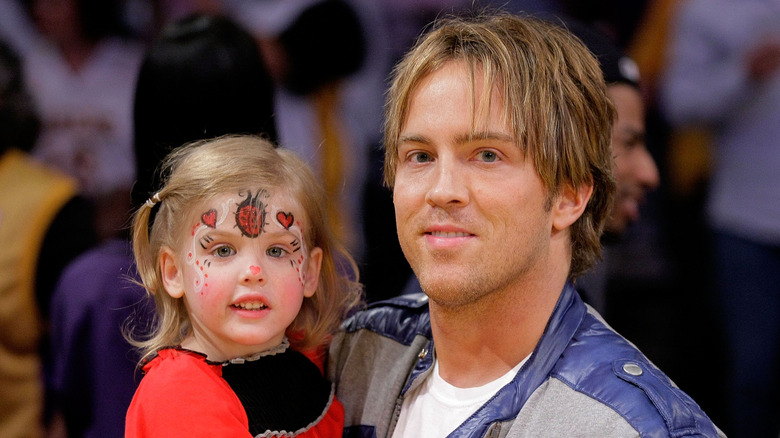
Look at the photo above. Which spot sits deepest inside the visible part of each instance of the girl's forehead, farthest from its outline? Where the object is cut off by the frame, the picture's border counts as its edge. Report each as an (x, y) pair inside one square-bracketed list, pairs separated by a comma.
[(229, 202)]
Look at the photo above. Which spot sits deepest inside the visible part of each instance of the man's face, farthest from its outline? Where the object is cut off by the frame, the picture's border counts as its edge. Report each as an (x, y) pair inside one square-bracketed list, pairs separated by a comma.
[(470, 209), (635, 170)]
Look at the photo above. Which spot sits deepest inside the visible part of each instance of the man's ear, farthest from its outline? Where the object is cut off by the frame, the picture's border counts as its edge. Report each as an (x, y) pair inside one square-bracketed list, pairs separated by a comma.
[(172, 274), (313, 272), (569, 205)]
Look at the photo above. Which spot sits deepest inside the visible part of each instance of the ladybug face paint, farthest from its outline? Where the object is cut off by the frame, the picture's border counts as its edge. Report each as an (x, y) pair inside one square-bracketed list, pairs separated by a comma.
[(250, 214)]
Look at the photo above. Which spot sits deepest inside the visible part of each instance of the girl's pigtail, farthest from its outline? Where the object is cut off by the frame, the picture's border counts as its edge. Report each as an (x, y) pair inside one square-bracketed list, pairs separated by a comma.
[(145, 260)]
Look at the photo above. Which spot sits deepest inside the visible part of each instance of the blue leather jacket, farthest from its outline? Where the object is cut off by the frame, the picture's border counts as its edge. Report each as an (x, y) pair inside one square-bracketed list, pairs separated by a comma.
[(583, 379)]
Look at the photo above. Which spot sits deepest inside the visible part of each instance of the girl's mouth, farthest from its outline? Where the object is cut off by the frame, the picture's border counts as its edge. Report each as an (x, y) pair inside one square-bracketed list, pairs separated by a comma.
[(255, 305)]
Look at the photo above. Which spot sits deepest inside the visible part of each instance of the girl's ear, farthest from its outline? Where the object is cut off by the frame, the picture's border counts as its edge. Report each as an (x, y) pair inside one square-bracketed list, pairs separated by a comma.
[(172, 275), (313, 272), (569, 205)]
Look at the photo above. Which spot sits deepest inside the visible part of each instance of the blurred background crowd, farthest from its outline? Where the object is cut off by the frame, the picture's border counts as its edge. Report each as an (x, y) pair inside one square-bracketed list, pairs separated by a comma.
[(94, 92)]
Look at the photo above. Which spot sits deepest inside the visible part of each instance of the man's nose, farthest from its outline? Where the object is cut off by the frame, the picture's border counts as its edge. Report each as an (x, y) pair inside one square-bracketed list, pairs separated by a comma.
[(449, 184)]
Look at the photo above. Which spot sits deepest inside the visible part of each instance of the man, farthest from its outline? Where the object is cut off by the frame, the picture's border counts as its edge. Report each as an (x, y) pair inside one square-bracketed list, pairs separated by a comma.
[(636, 173), (497, 149)]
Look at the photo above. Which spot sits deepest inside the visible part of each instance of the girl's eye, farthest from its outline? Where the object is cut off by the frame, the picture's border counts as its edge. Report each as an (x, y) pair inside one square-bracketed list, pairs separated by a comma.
[(275, 252), (224, 251), (488, 156)]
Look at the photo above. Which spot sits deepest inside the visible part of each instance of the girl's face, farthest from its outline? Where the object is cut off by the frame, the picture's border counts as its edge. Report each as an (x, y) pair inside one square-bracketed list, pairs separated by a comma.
[(243, 272)]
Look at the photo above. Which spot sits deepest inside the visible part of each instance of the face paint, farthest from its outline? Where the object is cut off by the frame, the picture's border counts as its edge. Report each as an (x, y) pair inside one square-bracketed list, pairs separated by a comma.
[(208, 220), (240, 290), (287, 221), (250, 214)]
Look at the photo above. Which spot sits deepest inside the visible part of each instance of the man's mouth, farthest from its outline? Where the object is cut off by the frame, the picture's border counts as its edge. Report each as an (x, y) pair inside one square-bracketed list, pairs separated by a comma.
[(449, 234)]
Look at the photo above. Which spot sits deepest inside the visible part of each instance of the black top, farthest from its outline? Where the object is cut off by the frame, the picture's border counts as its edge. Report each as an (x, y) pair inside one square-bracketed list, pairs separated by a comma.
[(283, 392)]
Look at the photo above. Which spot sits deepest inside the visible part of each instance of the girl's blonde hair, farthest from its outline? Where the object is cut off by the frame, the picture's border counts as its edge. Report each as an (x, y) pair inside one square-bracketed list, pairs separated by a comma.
[(201, 170)]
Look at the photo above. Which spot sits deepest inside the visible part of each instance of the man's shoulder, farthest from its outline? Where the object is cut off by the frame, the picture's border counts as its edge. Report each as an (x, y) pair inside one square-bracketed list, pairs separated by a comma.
[(604, 366), (401, 318)]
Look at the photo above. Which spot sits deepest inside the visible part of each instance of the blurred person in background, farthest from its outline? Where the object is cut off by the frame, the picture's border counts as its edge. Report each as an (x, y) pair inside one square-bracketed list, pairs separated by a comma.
[(43, 225), (723, 74), (80, 66), (636, 173), (329, 64)]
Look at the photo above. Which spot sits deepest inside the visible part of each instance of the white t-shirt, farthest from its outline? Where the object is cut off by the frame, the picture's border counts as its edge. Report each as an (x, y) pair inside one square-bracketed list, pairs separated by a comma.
[(436, 408), (87, 115)]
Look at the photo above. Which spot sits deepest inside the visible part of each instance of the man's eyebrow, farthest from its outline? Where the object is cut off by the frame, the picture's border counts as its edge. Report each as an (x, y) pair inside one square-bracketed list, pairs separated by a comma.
[(413, 139), (484, 135), (463, 138)]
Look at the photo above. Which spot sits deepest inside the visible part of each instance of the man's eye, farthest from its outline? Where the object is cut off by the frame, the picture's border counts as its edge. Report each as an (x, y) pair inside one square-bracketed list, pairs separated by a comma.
[(224, 251), (275, 252), (420, 157), (488, 156)]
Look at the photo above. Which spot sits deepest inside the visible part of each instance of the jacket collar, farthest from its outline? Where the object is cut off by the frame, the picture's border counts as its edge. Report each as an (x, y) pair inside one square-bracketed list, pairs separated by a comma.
[(567, 316)]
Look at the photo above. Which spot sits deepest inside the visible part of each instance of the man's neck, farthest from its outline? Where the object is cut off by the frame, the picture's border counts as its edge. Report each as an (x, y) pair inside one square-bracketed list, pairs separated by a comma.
[(482, 341)]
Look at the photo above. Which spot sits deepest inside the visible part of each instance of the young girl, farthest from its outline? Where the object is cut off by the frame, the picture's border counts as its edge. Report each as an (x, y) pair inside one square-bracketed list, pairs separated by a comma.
[(246, 277)]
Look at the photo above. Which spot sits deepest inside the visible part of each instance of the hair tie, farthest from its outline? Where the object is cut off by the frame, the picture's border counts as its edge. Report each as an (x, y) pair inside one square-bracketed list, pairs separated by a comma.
[(153, 200)]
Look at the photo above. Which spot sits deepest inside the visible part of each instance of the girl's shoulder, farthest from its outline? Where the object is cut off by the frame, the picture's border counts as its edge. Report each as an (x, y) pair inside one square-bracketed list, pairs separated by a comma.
[(181, 374), (184, 373), (177, 359), (182, 390)]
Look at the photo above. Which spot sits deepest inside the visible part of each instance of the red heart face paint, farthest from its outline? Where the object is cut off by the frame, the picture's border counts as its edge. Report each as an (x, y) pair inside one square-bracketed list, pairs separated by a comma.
[(209, 218), (285, 219)]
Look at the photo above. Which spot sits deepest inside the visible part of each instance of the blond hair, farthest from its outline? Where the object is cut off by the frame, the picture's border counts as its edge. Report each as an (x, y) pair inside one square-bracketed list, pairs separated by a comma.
[(554, 99), (201, 170)]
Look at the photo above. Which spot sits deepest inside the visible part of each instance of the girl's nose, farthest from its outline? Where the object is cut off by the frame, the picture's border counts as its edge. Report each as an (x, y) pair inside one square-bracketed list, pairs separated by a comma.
[(254, 274)]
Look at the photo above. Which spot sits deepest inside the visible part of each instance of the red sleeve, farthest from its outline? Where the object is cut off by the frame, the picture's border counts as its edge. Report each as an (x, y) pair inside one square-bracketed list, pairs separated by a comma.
[(183, 397)]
